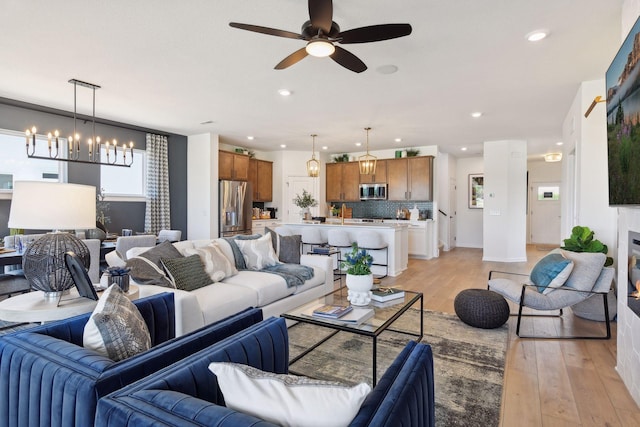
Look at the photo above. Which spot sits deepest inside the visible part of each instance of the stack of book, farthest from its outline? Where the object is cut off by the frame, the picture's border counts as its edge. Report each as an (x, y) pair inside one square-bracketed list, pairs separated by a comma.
[(332, 311), (324, 250), (343, 313), (386, 294)]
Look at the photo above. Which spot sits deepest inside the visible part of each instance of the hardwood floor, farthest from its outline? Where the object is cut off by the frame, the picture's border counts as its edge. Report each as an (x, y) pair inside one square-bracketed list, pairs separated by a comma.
[(547, 382)]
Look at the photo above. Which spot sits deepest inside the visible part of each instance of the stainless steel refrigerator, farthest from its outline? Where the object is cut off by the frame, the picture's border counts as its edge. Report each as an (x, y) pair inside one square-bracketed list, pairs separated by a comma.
[(235, 208)]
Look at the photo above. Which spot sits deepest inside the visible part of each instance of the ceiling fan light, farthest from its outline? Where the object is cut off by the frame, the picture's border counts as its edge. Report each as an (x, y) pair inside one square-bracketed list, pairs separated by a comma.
[(320, 48)]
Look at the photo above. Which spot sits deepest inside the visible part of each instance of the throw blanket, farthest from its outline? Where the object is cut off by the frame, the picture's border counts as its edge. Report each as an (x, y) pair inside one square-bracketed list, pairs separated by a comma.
[(293, 274)]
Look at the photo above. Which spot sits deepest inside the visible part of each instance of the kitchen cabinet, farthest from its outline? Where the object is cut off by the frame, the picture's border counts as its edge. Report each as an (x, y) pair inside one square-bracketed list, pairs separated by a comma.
[(233, 166), (418, 240), (410, 178), (258, 226), (342, 182), (261, 179), (379, 177)]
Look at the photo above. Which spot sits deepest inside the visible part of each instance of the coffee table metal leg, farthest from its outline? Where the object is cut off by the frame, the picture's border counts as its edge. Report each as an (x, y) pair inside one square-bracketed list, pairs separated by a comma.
[(375, 360)]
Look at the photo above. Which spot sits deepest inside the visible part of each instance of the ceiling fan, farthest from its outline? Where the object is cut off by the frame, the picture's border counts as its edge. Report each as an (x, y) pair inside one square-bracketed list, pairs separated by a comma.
[(322, 34)]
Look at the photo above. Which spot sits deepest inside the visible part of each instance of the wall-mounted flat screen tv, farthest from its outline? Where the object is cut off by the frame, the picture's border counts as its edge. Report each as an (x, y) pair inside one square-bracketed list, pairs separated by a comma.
[(623, 122)]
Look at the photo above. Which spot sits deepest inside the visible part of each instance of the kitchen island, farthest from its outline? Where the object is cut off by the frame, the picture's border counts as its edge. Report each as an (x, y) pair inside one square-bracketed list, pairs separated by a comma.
[(395, 235)]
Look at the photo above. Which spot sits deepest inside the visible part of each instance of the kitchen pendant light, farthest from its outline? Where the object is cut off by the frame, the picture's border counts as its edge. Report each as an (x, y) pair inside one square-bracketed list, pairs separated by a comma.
[(367, 161), (313, 166)]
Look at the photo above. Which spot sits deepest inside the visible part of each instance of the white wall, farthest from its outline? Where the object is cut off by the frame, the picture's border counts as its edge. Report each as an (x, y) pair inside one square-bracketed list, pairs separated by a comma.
[(202, 186), (505, 201), (468, 221)]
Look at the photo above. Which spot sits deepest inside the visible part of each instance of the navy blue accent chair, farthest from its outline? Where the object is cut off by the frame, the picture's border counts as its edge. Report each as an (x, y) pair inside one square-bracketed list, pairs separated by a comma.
[(187, 394), (48, 379)]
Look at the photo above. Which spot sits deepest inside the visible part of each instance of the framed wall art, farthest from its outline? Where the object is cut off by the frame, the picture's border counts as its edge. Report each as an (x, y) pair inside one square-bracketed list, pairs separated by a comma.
[(476, 191)]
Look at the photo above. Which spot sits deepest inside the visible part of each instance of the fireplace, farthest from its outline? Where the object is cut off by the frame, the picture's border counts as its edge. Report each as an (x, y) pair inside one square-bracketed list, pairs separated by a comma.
[(633, 282)]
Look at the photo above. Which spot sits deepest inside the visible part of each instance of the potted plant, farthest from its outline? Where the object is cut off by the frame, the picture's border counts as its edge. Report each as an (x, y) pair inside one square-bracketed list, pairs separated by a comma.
[(341, 158), (359, 277), (305, 202), (581, 240), (412, 152)]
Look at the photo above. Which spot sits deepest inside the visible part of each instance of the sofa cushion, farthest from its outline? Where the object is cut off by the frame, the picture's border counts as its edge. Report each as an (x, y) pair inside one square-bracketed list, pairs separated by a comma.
[(288, 400), (258, 253), (318, 278), (187, 273), (550, 272), (215, 262), (220, 300), (267, 287), (116, 328), (145, 272)]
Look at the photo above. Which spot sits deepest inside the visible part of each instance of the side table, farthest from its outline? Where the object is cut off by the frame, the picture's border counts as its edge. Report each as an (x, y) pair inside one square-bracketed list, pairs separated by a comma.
[(32, 307), (333, 251)]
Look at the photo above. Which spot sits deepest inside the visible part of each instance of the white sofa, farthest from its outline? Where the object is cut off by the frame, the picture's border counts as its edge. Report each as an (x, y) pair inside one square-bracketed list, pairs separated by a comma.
[(269, 292)]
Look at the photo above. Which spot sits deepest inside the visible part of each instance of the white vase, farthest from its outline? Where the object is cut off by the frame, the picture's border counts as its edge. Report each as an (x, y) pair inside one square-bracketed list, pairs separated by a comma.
[(359, 289), (303, 213)]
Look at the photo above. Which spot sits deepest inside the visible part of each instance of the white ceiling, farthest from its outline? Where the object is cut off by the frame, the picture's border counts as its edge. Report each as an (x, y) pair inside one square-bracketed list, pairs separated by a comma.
[(171, 65)]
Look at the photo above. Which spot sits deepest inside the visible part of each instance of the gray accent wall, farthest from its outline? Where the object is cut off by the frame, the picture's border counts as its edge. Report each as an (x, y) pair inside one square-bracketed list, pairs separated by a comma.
[(18, 116)]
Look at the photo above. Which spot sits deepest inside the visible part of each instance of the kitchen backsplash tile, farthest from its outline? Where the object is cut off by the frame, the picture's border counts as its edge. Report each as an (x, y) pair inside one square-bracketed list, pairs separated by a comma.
[(386, 208)]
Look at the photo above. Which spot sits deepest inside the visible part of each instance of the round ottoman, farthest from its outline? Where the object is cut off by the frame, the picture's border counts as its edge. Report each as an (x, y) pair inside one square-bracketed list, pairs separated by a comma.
[(481, 308)]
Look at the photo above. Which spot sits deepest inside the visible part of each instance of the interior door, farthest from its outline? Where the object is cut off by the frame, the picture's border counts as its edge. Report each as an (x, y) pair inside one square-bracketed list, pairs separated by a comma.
[(295, 185), (544, 211)]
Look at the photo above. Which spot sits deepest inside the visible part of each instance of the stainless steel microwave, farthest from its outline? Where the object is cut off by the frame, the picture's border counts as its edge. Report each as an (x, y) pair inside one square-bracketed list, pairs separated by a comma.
[(373, 191)]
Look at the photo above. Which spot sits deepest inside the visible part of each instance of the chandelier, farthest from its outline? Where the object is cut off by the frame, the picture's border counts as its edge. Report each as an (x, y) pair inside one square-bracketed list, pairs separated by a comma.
[(74, 153), (367, 161), (313, 166)]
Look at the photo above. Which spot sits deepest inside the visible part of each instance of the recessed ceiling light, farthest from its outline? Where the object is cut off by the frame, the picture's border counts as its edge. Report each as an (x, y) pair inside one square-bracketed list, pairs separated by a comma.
[(324, 147), (476, 114), (206, 122), (559, 143), (358, 144), (284, 92), (398, 140), (464, 149), (283, 145), (537, 35), (250, 138)]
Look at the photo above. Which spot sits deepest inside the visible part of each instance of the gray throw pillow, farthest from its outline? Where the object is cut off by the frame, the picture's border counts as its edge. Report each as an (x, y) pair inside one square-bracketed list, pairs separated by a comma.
[(289, 249), (145, 272), (163, 250), (187, 273)]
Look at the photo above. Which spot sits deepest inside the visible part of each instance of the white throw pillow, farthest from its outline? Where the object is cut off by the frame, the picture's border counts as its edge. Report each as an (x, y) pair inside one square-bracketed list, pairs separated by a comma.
[(258, 253), (215, 263), (288, 400), (116, 328)]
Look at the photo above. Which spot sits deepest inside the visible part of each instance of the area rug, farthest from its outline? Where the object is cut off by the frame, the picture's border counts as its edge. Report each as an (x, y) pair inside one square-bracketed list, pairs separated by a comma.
[(468, 362)]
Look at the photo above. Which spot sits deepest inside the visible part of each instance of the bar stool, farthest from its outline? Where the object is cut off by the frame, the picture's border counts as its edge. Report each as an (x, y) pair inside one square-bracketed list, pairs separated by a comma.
[(340, 240), (313, 237), (372, 241)]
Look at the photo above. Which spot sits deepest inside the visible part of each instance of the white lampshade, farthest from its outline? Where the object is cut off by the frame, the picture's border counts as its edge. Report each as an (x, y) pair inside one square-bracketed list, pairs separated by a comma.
[(38, 205)]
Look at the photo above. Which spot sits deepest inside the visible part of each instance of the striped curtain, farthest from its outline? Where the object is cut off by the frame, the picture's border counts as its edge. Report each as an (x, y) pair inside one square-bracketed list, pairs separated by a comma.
[(157, 215)]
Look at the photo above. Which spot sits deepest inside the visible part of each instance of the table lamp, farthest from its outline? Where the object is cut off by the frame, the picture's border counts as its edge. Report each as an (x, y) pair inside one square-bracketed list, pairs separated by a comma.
[(39, 205)]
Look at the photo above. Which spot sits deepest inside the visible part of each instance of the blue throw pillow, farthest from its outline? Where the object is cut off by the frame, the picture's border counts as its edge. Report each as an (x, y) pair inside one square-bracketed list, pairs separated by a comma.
[(551, 272)]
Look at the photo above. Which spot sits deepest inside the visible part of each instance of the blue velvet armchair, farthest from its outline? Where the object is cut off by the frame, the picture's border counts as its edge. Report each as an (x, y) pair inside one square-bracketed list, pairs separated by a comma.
[(186, 394), (48, 379)]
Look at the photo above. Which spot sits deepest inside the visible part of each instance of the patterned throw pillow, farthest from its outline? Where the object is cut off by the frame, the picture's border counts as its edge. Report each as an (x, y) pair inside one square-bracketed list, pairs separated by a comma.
[(163, 250), (116, 328), (551, 272), (258, 253), (186, 273), (216, 264), (288, 400)]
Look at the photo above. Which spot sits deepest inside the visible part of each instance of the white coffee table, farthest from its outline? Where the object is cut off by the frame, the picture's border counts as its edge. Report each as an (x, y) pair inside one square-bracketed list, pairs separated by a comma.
[(32, 307)]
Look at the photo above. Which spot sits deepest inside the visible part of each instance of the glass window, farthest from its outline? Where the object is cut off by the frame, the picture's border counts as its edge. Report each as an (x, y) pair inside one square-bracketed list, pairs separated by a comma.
[(125, 182), (16, 166)]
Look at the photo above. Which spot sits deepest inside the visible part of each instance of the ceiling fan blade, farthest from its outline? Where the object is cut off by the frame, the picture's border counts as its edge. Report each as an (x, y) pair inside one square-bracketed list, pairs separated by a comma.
[(321, 14), (296, 56), (266, 30), (374, 33), (348, 60)]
